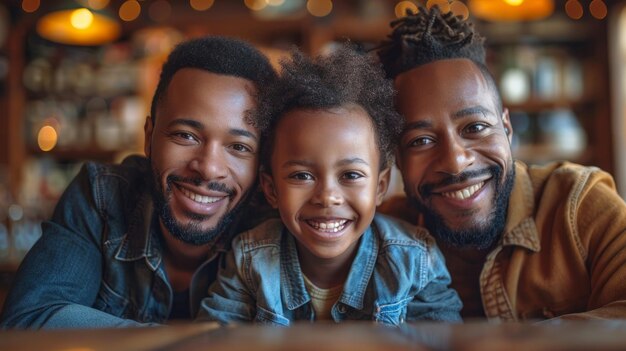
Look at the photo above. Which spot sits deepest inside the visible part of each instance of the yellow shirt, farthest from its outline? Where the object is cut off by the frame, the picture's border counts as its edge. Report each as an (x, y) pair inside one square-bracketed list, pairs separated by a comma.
[(322, 299)]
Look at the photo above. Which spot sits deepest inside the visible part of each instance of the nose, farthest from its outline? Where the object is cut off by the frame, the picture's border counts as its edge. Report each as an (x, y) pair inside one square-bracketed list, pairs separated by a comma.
[(455, 156), (210, 162), (327, 195)]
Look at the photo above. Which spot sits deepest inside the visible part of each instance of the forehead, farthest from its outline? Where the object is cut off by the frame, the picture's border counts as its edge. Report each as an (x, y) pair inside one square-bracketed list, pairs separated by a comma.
[(195, 92), (445, 85), (347, 128)]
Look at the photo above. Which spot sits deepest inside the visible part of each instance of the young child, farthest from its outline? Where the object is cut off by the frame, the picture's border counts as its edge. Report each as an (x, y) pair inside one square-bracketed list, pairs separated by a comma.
[(330, 130)]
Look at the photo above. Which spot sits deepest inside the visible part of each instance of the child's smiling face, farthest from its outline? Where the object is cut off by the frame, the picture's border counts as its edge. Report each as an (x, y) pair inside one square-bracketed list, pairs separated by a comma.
[(326, 180)]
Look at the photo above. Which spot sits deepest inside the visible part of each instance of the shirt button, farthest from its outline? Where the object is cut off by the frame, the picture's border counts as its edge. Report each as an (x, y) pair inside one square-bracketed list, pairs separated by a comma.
[(341, 309)]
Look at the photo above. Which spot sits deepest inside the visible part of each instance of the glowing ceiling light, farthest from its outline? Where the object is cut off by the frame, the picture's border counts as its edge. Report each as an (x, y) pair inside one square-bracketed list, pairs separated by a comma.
[(81, 18), (514, 2), (527, 10)]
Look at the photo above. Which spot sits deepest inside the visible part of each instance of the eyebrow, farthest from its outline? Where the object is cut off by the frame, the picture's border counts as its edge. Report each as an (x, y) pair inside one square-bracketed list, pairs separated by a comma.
[(344, 162), (457, 115), (199, 125)]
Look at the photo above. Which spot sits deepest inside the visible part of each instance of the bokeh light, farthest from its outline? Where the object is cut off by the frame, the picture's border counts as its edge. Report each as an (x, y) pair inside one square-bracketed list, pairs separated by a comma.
[(30, 5), (574, 9), (97, 4), (319, 8), (255, 5), (598, 9), (201, 5), (444, 5), (459, 9), (402, 6), (130, 10), (47, 138)]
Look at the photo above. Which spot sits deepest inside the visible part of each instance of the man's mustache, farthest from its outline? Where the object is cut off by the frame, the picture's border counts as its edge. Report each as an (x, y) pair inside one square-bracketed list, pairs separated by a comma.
[(426, 190), (197, 182)]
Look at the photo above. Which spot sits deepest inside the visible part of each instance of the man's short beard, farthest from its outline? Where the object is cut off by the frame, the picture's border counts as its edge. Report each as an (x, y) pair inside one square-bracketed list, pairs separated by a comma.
[(475, 235), (192, 233)]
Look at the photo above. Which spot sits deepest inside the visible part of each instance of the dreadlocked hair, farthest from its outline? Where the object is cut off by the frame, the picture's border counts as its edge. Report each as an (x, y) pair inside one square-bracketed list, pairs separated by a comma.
[(428, 36), (345, 77)]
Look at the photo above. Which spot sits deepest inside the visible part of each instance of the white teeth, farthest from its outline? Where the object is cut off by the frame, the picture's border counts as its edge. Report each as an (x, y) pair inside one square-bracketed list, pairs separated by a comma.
[(464, 193), (200, 198), (330, 226)]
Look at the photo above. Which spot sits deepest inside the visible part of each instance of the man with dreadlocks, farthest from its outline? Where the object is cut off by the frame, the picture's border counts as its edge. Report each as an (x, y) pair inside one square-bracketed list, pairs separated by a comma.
[(521, 242)]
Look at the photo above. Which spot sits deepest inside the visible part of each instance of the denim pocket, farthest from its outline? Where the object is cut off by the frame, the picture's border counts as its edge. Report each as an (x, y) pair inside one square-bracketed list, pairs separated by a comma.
[(109, 301), (391, 313), (264, 316)]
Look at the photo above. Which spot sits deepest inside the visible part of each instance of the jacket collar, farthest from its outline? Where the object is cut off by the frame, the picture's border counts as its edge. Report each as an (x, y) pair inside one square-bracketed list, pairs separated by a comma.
[(292, 280), (520, 228), (141, 238)]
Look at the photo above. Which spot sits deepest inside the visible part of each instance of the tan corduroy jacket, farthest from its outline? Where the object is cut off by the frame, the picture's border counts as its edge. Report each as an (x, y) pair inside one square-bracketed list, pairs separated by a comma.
[(563, 251)]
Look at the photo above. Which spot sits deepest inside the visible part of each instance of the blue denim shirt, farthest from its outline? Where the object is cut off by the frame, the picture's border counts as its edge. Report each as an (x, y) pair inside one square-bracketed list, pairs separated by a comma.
[(397, 275), (99, 262)]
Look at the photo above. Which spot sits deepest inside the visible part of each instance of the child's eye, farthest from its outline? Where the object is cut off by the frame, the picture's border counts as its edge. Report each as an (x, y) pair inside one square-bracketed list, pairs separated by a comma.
[(352, 175), (421, 141), (301, 176)]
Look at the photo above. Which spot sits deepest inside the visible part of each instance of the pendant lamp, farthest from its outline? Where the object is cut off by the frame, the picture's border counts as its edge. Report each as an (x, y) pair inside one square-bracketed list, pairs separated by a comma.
[(511, 10), (74, 24)]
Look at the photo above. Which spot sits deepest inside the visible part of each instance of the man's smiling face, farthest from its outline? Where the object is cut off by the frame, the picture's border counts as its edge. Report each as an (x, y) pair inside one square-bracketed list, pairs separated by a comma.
[(455, 153), (203, 153)]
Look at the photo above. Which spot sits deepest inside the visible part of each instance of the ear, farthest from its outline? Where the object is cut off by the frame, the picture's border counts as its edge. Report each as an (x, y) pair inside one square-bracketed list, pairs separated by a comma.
[(267, 183), (383, 184), (148, 128), (506, 123)]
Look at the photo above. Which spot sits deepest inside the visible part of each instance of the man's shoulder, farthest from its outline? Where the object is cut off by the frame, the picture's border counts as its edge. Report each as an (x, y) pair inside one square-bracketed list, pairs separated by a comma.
[(567, 179), (133, 168)]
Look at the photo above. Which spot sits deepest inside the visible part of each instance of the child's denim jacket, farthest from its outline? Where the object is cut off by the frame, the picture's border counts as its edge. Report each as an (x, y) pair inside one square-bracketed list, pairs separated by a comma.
[(398, 275)]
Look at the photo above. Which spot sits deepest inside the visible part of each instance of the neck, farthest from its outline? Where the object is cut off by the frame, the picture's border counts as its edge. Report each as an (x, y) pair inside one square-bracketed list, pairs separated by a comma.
[(469, 255), (182, 260), (326, 273)]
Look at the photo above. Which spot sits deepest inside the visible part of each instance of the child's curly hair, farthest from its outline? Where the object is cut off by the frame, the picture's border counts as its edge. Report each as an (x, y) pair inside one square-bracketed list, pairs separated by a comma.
[(342, 78)]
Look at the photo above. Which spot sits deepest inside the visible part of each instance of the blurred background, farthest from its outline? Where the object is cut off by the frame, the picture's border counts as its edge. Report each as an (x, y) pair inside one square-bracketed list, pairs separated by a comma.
[(77, 77)]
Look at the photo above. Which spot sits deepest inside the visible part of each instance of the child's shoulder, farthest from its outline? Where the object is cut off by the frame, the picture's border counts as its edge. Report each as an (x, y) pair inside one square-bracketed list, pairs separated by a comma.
[(267, 233), (397, 231)]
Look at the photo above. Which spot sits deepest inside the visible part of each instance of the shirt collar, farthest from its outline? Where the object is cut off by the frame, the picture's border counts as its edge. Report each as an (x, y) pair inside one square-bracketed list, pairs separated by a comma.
[(292, 280)]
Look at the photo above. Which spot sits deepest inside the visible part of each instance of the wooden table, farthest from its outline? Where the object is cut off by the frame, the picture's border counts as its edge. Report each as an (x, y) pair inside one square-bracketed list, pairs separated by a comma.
[(329, 337)]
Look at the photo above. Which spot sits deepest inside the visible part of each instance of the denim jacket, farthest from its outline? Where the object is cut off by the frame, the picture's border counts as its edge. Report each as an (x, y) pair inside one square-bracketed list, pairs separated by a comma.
[(397, 275), (99, 262)]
